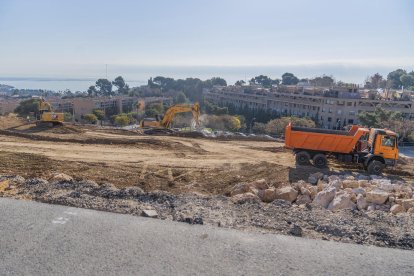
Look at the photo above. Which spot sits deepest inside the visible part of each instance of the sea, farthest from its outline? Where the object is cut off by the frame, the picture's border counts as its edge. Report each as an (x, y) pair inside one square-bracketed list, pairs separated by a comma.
[(139, 75)]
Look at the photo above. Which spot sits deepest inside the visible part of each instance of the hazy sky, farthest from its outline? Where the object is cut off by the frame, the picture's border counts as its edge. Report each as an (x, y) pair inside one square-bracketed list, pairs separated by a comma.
[(75, 38)]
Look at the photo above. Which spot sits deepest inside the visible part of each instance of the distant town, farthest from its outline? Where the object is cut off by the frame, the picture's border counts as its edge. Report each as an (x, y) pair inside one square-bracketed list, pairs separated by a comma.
[(328, 103)]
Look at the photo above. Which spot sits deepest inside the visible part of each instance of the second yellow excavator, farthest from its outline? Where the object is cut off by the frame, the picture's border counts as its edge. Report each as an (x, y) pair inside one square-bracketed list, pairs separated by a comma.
[(167, 119), (48, 116)]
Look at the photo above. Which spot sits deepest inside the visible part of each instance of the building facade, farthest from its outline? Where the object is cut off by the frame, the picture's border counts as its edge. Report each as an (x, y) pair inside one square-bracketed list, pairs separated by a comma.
[(330, 108)]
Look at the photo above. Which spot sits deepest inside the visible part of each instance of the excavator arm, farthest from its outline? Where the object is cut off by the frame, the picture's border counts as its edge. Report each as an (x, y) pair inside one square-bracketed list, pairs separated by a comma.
[(181, 108)]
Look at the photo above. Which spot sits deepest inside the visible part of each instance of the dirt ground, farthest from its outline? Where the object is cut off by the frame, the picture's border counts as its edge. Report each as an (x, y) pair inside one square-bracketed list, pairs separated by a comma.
[(194, 175)]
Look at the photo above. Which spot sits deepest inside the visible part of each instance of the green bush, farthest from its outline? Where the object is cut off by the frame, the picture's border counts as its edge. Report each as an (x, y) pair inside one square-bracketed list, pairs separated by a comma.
[(90, 118)]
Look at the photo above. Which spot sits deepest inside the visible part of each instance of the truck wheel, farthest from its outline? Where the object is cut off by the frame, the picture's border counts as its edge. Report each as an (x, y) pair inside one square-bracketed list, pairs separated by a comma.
[(320, 160), (302, 158), (375, 167)]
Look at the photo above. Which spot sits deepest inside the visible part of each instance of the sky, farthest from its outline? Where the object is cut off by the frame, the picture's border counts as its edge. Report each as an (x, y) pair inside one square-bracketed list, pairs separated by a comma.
[(235, 38)]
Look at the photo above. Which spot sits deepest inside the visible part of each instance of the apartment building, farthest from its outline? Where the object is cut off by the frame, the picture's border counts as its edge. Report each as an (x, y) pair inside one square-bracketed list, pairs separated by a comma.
[(117, 104), (8, 105), (330, 108)]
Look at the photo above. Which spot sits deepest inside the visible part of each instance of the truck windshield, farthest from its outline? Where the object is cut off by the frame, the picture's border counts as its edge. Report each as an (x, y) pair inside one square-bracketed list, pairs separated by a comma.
[(388, 141)]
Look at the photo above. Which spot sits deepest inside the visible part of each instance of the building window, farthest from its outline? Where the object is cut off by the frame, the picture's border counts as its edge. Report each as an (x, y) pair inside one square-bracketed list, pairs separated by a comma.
[(339, 112), (329, 119), (352, 113)]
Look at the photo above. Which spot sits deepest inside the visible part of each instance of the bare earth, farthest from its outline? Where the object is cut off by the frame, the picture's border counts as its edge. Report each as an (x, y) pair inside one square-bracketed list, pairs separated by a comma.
[(184, 179)]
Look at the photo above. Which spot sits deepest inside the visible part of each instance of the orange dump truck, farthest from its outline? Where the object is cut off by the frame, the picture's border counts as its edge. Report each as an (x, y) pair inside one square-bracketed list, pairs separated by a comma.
[(373, 148)]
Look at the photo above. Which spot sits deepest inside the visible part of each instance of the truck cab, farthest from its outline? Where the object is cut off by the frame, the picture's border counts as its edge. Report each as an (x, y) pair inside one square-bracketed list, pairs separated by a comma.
[(383, 145)]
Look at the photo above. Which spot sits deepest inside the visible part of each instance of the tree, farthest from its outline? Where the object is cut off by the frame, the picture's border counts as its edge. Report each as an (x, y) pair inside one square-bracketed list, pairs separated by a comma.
[(119, 82), (68, 117), (90, 118), (265, 81), (28, 107), (99, 113), (218, 81), (407, 80), (104, 86), (240, 83), (181, 98), (122, 120), (323, 81), (289, 79), (92, 91), (375, 81), (223, 122), (378, 118), (277, 126), (259, 128), (394, 78)]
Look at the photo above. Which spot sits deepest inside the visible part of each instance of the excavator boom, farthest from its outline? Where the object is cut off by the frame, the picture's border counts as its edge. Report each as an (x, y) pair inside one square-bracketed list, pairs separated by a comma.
[(181, 108), (169, 115)]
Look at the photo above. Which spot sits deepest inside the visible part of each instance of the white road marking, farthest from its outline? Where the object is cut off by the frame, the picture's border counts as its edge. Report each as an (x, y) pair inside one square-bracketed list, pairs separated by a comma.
[(70, 213), (60, 220)]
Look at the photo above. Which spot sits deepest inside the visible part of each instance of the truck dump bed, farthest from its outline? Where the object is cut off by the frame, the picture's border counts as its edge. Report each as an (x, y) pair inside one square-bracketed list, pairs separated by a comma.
[(323, 140)]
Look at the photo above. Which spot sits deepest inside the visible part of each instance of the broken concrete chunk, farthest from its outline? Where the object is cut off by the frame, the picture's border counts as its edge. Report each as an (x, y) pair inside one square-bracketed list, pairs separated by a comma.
[(150, 213)]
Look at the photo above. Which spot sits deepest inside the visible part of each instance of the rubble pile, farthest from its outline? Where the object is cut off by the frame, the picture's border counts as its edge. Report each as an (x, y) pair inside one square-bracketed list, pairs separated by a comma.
[(334, 208), (335, 192)]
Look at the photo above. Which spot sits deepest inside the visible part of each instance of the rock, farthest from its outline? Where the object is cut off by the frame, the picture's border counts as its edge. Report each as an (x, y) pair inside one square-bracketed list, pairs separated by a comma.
[(282, 203), (407, 203), (341, 201), (240, 188), (321, 186), (383, 184), (304, 191), (348, 190), (349, 177), (134, 191), (299, 185), (303, 199), (18, 180), (364, 183), (36, 181), (313, 178), (353, 198), (313, 191), (377, 196), (267, 195), (411, 210), (246, 197), (335, 183), (333, 178), (287, 193), (325, 197), (296, 230), (396, 208), (350, 184), (150, 213), (358, 191), (362, 204), (260, 184), (61, 177), (371, 207), (391, 199), (363, 177)]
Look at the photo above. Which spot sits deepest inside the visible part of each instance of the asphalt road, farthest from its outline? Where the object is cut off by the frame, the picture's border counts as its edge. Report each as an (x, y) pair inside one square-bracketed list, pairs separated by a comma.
[(45, 239)]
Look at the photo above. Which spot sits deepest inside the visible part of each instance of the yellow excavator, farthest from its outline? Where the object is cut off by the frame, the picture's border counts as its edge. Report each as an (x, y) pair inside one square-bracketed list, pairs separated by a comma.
[(167, 119), (47, 116)]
